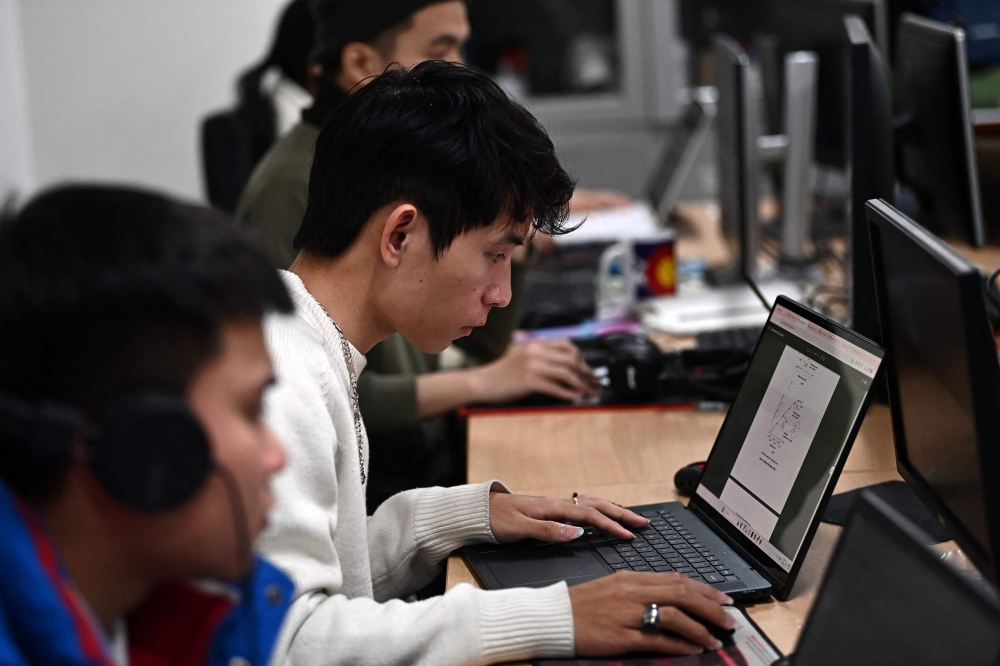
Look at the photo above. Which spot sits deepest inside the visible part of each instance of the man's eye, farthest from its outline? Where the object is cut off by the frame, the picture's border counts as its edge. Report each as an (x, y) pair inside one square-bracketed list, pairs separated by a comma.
[(496, 257)]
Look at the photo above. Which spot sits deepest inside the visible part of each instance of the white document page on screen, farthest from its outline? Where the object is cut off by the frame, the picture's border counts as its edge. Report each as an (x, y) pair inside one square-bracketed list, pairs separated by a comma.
[(784, 427)]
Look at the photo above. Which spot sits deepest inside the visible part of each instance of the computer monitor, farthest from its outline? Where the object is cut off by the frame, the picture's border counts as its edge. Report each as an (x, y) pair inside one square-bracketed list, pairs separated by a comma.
[(887, 598), (937, 148), (818, 26), (871, 169), (680, 153), (943, 380), (738, 123)]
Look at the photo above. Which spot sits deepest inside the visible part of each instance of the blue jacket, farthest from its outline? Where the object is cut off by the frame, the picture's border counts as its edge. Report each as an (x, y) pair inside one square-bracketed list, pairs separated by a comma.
[(44, 620)]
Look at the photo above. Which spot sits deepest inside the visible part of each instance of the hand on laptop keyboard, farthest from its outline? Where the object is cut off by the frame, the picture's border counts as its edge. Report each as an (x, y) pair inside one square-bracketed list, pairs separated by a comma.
[(516, 517), (607, 614)]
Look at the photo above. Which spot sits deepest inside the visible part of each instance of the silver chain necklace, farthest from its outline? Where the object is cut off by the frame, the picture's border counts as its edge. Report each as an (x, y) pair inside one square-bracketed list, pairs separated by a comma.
[(355, 405)]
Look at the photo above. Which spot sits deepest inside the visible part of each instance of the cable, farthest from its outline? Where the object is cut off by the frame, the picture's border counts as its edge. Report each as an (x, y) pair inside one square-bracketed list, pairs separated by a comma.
[(244, 548), (757, 292)]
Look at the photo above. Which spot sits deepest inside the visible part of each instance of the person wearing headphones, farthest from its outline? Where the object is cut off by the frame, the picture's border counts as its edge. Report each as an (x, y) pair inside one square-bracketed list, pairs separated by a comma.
[(133, 456), (408, 403)]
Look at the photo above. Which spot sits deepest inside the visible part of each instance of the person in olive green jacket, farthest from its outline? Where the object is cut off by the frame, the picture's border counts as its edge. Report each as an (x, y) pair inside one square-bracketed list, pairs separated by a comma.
[(408, 405)]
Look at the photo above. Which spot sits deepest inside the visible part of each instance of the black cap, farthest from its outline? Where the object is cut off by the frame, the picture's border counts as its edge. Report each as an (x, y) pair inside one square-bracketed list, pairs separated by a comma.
[(340, 22)]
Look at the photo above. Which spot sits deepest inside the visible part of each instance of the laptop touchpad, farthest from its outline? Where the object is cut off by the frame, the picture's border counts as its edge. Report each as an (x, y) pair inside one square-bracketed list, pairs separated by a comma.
[(544, 564)]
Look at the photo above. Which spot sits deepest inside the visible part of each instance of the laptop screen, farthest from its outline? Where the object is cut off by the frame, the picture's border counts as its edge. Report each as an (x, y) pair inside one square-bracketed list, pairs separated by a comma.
[(785, 436), (671, 164), (889, 599)]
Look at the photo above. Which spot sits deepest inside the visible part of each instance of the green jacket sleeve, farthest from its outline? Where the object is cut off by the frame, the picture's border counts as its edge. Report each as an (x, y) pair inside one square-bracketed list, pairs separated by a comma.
[(388, 402), (274, 215), (488, 343)]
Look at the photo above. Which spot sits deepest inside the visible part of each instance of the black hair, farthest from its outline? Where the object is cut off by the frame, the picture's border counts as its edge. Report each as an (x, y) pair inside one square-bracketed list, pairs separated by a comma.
[(443, 137), (107, 290), (293, 42), (328, 94)]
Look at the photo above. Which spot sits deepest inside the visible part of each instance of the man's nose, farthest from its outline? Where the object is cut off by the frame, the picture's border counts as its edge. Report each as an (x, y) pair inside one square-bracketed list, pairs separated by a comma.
[(498, 295), (275, 455)]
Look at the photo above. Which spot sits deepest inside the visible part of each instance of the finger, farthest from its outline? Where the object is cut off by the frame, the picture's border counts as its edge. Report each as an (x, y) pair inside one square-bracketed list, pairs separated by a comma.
[(557, 390), (611, 510), (551, 531), (586, 514), (581, 364), (558, 353), (660, 586), (678, 622), (694, 598), (547, 375), (568, 355), (568, 377)]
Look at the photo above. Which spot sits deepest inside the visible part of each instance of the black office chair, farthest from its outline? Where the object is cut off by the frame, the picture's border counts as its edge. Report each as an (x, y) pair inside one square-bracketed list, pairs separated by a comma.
[(233, 141)]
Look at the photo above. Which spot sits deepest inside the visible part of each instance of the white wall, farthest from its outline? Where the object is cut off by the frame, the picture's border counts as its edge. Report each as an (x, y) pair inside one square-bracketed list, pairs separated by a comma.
[(117, 88), (15, 151)]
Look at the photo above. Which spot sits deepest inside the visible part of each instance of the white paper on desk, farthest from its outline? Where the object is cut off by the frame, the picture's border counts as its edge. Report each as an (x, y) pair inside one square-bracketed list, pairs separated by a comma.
[(783, 430), (752, 645), (634, 222)]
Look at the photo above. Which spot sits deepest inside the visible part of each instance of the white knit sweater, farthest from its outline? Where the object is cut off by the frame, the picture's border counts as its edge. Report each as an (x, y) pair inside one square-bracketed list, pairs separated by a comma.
[(350, 570)]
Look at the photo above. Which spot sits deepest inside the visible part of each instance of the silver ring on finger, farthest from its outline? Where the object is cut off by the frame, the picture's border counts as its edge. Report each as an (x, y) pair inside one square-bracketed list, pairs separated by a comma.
[(651, 618), (576, 499)]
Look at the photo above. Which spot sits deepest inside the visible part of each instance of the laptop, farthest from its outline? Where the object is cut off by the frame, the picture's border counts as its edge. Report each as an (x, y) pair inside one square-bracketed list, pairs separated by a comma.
[(889, 599), (771, 471), (647, 218), (719, 309)]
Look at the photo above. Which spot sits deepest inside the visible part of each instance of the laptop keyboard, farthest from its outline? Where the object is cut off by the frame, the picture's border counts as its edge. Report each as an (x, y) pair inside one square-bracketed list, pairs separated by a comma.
[(664, 545)]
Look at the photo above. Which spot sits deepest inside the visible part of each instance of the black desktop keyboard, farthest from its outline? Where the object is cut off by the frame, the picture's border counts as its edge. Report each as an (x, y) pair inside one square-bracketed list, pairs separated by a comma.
[(664, 545), (734, 338)]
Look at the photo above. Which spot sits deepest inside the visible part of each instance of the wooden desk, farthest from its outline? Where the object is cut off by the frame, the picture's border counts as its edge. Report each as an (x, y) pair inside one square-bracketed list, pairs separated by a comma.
[(630, 457)]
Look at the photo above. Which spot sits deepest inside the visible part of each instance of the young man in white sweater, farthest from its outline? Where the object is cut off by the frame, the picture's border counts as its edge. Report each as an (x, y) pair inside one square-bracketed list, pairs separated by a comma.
[(423, 184)]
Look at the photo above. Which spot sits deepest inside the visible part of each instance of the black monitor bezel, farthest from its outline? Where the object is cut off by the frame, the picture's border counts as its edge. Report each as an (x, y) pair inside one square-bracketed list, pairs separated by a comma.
[(921, 29), (984, 372), (868, 79), (815, 25), (904, 535), (742, 230), (781, 581)]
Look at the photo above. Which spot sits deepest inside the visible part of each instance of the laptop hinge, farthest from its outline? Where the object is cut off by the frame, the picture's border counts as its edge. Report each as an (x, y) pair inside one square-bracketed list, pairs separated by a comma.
[(749, 559)]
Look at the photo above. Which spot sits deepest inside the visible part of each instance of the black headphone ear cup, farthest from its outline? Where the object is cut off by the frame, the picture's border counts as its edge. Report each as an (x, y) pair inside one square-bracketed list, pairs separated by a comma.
[(153, 454)]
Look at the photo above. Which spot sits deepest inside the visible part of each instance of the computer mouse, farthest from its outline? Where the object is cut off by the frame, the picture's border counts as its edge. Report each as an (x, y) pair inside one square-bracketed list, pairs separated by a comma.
[(687, 478), (720, 633), (725, 636)]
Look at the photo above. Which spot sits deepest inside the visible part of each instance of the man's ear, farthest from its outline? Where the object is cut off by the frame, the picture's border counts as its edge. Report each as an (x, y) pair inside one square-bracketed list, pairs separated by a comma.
[(358, 61), (399, 225), (314, 77)]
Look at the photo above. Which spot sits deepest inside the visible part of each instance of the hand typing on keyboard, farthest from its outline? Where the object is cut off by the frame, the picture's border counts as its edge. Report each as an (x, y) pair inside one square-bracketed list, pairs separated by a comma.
[(607, 612), (516, 517), (664, 545)]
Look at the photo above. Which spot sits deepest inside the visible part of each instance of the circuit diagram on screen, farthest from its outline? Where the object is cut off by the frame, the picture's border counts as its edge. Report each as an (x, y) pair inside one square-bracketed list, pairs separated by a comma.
[(785, 423), (784, 427)]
